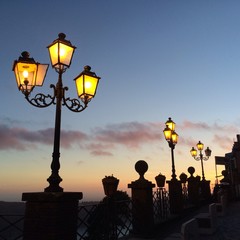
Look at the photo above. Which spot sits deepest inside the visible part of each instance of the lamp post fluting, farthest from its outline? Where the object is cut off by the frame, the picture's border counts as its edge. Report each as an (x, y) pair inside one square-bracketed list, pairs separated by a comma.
[(201, 157), (30, 74), (172, 138)]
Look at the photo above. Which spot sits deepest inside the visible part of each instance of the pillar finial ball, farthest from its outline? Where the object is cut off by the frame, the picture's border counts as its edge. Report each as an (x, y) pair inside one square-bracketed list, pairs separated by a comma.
[(191, 170), (141, 167)]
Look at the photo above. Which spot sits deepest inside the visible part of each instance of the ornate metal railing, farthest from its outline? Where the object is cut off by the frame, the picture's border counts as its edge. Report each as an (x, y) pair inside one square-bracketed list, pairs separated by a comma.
[(108, 220), (161, 207), (11, 227)]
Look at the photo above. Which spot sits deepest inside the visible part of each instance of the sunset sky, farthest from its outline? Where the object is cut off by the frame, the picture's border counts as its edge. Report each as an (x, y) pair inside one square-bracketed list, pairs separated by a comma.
[(156, 59)]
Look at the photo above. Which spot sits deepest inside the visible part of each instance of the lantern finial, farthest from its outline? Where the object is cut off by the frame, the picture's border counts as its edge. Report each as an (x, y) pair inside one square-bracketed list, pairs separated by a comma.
[(25, 54), (87, 68), (61, 36)]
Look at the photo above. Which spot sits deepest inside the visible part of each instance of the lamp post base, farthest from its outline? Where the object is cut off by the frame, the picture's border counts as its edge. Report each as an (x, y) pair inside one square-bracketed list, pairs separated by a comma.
[(51, 215), (175, 196), (205, 190)]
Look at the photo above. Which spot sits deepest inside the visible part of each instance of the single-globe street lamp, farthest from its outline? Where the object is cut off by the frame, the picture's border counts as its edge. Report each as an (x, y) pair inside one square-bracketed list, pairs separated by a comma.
[(172, 138), (29, 74), (201, 157)]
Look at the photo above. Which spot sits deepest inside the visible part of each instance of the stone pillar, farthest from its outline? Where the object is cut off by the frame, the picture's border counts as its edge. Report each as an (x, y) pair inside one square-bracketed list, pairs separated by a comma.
[(51, 215), (175, 196), (205, 190), (142, 199), (193, 188)]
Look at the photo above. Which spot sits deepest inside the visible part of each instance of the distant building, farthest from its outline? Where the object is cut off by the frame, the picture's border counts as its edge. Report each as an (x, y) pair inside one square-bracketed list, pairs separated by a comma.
[(231, 161)]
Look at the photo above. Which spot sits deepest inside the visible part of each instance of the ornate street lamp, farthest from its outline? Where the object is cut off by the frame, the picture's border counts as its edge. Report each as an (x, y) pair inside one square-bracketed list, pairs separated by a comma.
[(29, 74), (208, 152), (172, 138), (174, 185)]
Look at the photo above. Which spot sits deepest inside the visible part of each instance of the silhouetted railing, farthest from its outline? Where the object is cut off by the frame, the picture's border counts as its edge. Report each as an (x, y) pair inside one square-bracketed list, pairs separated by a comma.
[(108, 220), (161, 207), (11, 227)]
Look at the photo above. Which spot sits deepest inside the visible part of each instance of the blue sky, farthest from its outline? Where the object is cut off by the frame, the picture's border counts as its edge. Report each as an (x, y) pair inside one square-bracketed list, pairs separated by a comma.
[(156, 59)]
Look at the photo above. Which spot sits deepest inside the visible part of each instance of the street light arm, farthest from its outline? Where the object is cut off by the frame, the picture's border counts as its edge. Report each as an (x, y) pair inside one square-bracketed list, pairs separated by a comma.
[(74, 104), (197, 158), (201, 158), (41, 100), (205, 158)]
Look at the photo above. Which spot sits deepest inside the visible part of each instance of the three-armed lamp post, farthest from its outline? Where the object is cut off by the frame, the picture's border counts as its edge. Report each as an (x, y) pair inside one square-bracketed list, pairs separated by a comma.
[(172, 138), (208, 152), (29, 74), (174, 185)]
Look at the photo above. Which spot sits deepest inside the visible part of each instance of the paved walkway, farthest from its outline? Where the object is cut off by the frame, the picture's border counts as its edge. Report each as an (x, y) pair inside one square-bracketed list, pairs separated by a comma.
[(228, 226)]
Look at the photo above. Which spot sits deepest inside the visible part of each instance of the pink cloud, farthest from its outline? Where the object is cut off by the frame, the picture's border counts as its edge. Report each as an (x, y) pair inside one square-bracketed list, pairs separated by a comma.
[(9, 138), (192, 125), (208, 127), (101, 153), (103, 140), (131, 135), (225, 142), (22, 139), (99, 149)]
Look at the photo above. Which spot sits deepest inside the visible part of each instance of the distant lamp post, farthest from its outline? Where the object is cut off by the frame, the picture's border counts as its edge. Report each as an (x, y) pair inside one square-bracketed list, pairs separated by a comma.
[(29, 74), (172, 138), (208, 152), (174, 185)]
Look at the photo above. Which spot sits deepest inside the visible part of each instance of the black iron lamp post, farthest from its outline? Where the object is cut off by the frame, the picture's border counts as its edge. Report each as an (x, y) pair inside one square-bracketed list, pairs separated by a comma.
[(29, 74), (208, 152), (172, 138), (174, 185), (204, 184)]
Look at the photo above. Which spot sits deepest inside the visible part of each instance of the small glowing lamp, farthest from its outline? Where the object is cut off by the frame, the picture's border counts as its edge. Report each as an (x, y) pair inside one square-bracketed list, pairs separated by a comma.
[(167, 133), (208, 152), (29, 73), (170, 124), (200, 146), (193, 152), (86, 84), (174, 137), (61, 53)]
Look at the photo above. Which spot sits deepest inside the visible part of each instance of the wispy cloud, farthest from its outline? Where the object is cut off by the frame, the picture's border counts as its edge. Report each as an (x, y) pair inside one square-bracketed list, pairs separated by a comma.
[(223, 141), (103, 141), (22, 138), (208, 127), (131, 135), (99, 149)]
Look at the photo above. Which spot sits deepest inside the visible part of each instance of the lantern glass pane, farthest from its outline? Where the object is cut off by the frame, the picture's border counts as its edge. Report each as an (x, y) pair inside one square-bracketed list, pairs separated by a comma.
[(208, 152), (174, 137), (60, 54), (79, 85), (193, 152), (25, 71), (41, 73), (53, 52), (90, 85), (65, 54), (200, 146), (167, 133)]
